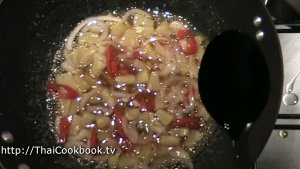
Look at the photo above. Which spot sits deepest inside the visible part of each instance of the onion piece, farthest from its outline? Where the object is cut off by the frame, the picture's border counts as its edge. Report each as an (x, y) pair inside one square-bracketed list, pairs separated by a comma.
[(163, 51), (98, 19), (135, 11), (122, 94), (156, 38), (130, 130), (87, 96)]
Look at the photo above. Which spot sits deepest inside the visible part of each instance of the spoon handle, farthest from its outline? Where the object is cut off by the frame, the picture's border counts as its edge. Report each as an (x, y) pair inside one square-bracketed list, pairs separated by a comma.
[(290, 85)]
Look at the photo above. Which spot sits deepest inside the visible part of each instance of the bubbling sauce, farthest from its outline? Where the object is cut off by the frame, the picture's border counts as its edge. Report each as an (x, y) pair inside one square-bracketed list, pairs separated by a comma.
[(129, 82)]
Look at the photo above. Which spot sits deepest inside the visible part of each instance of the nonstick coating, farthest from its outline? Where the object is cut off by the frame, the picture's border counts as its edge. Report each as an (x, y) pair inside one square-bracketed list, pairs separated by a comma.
[(32, 35)]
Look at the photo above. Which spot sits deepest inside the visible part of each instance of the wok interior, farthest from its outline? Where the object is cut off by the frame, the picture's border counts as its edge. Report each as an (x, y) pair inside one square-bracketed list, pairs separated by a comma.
[(54, 20)]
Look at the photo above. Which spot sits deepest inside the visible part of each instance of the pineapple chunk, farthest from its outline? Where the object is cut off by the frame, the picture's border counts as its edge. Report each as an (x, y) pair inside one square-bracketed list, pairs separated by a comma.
[(142, 77), (193, 139), (146, 152), (106, 95), (141, 20), (125, 79), (76, 124), (132, 113), (82, 84), (144, 31), (67, 79), (88, 38), (169, 140), (153, 83), (65, 106), (130, 39), (98, 65), (102, 121), (87, 118), (139, 65), (118, 29), (164, 29), (164, 117)]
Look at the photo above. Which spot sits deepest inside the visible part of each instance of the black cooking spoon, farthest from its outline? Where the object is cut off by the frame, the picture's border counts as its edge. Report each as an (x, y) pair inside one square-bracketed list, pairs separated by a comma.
[(234, 81)]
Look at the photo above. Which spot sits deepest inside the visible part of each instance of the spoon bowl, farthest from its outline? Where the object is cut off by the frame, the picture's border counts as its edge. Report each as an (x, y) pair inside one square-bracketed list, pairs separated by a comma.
[(234, 81)]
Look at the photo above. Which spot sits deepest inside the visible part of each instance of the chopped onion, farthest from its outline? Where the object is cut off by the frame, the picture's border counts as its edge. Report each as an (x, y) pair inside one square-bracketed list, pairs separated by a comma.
[(98, 19), (135, 11), (87, 96), (130, 130)]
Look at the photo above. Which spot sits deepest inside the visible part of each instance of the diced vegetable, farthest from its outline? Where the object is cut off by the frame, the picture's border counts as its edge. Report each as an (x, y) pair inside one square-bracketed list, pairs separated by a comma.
[(82, 84), (126, 79), (64, 91), (158, 129), (146, 152), (146, 101), (67, 79), (159, 104), (93, 139), (88, 118), (130, 39), (74, 107), (144, 31), (164, 117), (188, 97), (162, 150), (132, 113), (118, 122), (141, 20), (64, 128), (108, 97), (189, 122), (98, 65), (76, 124), (142, 77), (187, 42), (65, 106), (102, 121), (139, 65), (153, 83), (113, 64), (180, 132), (176, 26), (118, 29), (169, 140), (137, 55), (83, 56), (88, 38), (164, 29), (193, 139)]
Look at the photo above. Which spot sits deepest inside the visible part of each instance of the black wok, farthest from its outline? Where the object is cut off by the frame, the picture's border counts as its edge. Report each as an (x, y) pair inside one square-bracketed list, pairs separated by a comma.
[(30, 33)]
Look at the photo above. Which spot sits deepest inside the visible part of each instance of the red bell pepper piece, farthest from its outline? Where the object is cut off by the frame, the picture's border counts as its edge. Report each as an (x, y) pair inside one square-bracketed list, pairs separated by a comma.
[(124, 141), (93, 139), (183, 34), (113, 64), (67, 93), (146, 101), (187, 35), (137, 55), (190, 122), (64, 128), (191, 46)]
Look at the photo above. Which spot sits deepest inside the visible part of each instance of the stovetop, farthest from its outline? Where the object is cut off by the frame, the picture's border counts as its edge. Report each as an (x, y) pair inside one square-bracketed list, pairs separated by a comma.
[(282, 151)]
